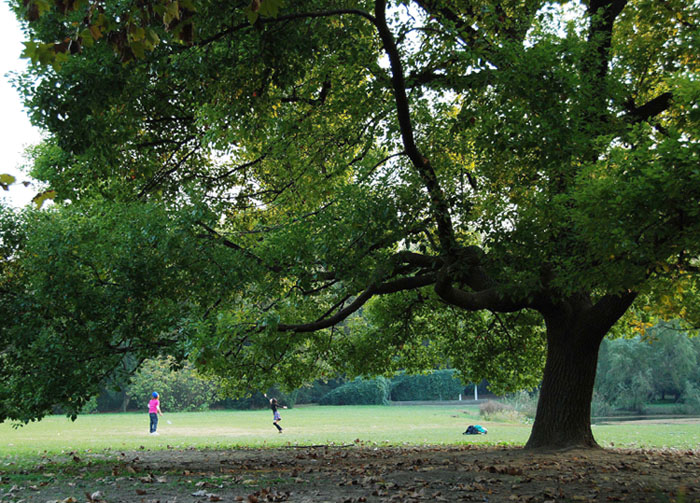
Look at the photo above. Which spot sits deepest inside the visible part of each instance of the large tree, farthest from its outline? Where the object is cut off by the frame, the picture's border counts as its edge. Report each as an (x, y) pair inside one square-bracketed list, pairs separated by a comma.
[(365, 185)]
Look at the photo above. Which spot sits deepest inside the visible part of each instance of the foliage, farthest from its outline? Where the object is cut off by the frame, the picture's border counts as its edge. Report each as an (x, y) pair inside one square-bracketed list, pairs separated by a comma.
[(633, 372), (179, 389), (258, 400), (691, 398), (313, 392), (359, 392), (599, 407), (437, 385), (357, 189), (78, 306)]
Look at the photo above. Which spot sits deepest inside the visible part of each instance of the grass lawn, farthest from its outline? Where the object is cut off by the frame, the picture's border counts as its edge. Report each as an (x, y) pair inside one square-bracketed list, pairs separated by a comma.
[(418, 425)]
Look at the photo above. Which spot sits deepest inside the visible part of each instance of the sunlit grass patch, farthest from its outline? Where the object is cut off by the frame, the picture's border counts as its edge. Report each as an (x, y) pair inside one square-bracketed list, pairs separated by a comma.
[(57, 437)]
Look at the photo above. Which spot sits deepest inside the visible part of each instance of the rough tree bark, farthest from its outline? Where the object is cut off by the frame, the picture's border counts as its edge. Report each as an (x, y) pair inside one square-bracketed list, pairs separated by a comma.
[(575, 330), (563, 417)]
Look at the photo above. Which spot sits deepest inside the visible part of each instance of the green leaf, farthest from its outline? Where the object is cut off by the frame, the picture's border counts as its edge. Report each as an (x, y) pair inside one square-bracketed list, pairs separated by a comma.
[(139, 49), (87, 37), (270, 8), (30, 51), (251, 14), (59, 59), (44, 6)]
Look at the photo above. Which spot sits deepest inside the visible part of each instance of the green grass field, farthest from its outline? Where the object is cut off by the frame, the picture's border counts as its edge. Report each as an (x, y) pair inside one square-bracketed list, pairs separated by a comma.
[(416, 425)]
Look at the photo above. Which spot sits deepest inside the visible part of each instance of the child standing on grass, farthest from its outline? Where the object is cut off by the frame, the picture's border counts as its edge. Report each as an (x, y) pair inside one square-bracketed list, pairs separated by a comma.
[(153, 411), (276, 418)]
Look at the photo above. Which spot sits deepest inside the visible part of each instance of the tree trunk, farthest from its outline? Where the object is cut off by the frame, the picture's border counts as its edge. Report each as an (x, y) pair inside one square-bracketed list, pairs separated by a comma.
[(563, 418)]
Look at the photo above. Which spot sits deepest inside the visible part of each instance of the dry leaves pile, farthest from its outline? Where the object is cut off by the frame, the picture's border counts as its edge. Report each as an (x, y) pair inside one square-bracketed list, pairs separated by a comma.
[(362, 474)]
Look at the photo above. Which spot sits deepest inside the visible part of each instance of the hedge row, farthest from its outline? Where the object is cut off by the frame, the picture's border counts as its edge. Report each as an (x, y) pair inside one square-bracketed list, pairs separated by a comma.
[(439, 385), (359, 392), (183, 389)]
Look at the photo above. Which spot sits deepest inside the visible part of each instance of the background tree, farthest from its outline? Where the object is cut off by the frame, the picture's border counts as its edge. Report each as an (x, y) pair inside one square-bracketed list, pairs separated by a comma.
[(673, 360), (180, 389), (473, 167), (655, 366)]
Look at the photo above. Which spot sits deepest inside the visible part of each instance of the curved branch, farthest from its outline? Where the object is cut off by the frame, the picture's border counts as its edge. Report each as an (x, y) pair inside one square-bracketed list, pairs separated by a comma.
[(605, 313), (385, 288), (422, 165), (488, 298), (238, 248), (418, 260)]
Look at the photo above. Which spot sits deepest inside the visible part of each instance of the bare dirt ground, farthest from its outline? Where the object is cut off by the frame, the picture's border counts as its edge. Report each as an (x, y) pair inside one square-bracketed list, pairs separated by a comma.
[(360, 473)]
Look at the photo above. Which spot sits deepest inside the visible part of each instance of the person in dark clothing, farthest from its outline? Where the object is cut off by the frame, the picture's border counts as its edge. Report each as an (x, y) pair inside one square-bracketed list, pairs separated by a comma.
[(276, 418)]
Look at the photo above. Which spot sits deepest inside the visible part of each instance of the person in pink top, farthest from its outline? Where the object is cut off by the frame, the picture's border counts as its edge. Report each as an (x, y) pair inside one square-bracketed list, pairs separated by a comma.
[(153, 411)]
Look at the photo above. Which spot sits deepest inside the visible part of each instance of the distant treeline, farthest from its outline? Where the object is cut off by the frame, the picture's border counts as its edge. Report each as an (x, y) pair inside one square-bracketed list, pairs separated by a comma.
[(662, 366), (182, 389)]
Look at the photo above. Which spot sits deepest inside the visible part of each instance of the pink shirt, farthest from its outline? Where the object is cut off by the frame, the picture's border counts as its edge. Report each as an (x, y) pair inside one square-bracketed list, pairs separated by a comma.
[(153, 406)]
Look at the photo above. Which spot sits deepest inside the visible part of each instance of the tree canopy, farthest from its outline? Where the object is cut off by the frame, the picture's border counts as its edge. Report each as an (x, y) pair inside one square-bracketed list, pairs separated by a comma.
[(284, 190)]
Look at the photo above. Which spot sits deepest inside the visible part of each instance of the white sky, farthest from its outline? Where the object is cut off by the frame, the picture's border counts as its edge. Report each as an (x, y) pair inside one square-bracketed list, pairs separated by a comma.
[(16, 133)]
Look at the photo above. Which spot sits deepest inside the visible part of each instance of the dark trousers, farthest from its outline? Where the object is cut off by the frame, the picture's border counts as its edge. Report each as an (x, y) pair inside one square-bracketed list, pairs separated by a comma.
[(154, 421)]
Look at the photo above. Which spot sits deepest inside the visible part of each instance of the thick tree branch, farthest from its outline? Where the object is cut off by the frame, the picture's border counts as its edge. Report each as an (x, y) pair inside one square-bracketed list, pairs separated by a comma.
[(651, 108), (490, 299), (418, 260), (605, 313), (422, 164), (485, 296), (603, 14)]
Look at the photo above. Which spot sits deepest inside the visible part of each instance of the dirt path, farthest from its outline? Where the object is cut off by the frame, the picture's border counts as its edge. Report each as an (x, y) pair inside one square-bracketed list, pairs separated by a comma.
[(357, 474)]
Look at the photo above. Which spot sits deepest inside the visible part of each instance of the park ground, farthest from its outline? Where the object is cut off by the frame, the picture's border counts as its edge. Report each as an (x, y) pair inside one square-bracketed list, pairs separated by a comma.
[(349, 455)]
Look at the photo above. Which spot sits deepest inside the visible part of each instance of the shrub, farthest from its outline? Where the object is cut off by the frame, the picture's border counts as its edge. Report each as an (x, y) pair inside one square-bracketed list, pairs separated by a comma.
[(359, 392), (438, 385), (90, 407), (313, 392), (180, 389), (525, 402), (498, 411), (491, 407)]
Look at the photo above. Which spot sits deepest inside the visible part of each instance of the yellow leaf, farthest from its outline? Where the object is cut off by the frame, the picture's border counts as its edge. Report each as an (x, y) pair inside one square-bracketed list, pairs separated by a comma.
[(95, 32), (42, 197), (6, 179)]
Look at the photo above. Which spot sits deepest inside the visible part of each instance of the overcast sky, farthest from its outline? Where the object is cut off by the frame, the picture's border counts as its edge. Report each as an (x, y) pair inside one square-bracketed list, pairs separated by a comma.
[(15, 131)]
